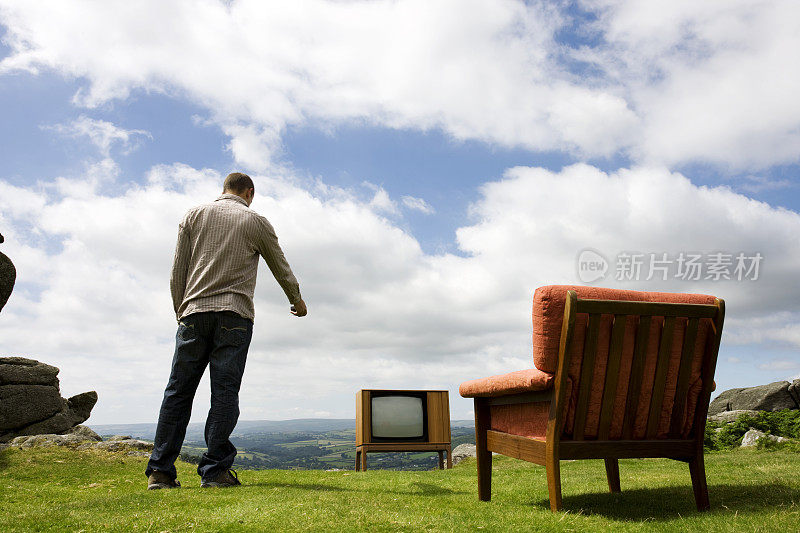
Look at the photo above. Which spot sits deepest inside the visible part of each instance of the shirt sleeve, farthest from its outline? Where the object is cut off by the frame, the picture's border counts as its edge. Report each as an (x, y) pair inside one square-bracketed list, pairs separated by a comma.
[(267, 245), (180, 267)]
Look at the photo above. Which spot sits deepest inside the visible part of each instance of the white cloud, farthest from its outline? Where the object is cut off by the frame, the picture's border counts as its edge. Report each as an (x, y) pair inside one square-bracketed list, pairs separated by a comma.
[(102, 134), (258, 67), (98, 292), (417, 204), (711, 81), (252, 146), (667, 83), (381, 201), (777, 326), (780, 365)]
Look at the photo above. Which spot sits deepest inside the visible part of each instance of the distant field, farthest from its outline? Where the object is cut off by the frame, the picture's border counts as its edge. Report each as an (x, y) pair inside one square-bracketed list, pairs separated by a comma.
[(59, 489), (309, 444), (318, 451)]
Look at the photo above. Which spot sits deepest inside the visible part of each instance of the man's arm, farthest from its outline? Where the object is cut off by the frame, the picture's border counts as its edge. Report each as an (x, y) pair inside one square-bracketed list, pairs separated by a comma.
[(180, 267), (270, 250)]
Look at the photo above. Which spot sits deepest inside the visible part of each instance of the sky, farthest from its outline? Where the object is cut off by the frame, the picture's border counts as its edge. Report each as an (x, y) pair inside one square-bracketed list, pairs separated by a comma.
[(426, 165)]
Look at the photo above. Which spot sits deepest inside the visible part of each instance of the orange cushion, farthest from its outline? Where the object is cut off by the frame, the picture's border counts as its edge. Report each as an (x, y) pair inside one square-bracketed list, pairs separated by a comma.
[(548, 313), (525, 419), (521, 381)]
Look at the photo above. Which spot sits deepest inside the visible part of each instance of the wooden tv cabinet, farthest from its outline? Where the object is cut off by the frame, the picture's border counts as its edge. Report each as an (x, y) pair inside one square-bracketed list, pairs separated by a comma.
[(438, 414)]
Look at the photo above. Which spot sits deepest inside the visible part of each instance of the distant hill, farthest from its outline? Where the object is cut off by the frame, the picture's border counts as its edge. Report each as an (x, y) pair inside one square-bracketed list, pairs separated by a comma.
[(247, 427), (244, 427)]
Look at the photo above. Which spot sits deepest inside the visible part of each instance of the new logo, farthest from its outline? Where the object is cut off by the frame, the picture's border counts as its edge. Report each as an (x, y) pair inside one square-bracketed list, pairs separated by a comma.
[(591, 266)]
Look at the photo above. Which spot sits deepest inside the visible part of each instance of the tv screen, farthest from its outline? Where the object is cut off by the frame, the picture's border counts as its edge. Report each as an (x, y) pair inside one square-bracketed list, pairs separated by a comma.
[(398, 417)]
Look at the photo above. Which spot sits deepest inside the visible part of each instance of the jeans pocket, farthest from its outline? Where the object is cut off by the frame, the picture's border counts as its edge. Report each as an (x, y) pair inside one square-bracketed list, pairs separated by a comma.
[(186, 332), (234, 336)]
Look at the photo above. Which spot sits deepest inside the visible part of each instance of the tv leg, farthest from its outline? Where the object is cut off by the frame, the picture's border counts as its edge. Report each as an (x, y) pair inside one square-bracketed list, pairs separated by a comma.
[(358, 460), (363, 460), (441, 460), (449, 457)]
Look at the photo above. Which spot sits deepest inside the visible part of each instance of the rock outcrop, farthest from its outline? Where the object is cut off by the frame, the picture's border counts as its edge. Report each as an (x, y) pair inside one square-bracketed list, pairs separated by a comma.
[(83, 438), (126, 443), (8, 275), (74, 437), (794, 391), (30, 401), (462, 451), (771, 397), (726, 417), (751, 438)]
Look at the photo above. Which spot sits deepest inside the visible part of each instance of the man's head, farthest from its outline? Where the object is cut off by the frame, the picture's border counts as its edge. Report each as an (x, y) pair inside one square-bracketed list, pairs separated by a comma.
[(241, 185)]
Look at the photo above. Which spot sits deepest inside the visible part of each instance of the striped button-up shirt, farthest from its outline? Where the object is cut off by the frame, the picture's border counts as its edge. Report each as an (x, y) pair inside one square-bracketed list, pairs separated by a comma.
[(216, 259)]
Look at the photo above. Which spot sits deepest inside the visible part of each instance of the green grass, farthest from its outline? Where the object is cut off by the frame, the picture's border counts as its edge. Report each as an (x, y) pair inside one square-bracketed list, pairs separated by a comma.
[(65, 490)]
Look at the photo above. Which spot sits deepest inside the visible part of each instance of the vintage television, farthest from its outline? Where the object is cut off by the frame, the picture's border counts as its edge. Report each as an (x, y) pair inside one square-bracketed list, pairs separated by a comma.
[(402, 421)]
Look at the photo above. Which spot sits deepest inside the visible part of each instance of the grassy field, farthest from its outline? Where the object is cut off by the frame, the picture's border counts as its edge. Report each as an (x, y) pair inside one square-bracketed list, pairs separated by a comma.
[(58, 489)]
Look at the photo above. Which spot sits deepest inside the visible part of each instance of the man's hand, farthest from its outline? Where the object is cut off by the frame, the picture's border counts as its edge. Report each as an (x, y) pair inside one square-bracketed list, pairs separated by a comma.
[(299, 309)]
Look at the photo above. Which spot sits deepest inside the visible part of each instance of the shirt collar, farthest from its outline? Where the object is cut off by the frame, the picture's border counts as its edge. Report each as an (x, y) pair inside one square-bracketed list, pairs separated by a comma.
[(234, 197)]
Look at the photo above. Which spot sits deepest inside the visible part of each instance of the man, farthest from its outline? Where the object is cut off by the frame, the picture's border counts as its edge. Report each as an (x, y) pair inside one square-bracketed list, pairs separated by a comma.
[(213, 280)]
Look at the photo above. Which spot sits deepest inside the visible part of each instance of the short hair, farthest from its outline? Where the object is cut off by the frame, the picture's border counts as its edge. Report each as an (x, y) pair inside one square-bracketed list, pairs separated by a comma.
[(236, 182)]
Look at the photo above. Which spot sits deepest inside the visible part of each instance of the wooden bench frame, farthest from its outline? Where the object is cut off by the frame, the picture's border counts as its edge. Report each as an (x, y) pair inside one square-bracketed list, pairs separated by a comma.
[(554, 447)]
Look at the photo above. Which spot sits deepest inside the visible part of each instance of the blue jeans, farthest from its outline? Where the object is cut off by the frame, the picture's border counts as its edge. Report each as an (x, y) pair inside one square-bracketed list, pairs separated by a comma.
[(221, 340)]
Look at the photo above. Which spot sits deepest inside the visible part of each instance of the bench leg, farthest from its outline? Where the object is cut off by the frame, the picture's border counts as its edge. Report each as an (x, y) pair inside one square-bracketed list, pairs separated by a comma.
[(483, 455), (553, 467), (612, 473), (697, 468)]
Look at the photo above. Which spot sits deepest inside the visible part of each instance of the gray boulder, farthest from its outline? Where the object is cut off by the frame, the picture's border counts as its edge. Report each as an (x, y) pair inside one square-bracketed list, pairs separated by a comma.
[(83, 438), (751, 438), (30, 401), (81, 405), (462, 451), (86, 432), (772, 397), (74, 437), (726, 417), (22, 371), (22, 405), (794, 391), (80, 437), (114, 438), (49, 439), (125, 445), (72, 413)]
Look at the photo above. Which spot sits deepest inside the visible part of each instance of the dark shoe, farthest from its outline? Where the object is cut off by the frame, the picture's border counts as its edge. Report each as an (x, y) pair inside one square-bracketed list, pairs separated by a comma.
[(159, 480), (229, 478)]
